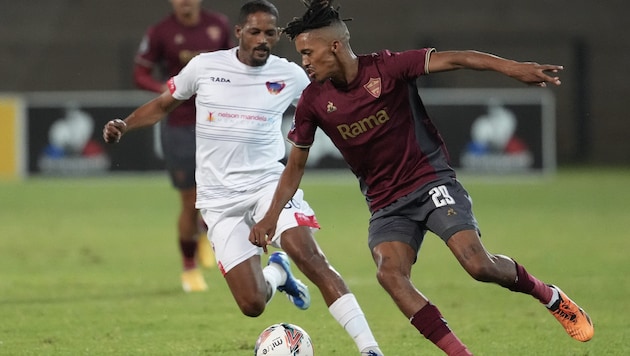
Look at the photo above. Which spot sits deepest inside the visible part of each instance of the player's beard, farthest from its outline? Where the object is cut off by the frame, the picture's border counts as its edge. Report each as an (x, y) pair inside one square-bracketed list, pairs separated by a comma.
[(260, 55)]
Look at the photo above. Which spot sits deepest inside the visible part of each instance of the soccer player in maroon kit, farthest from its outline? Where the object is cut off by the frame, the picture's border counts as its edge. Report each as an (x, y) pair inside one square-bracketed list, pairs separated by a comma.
[(370, 108), (168, 46)]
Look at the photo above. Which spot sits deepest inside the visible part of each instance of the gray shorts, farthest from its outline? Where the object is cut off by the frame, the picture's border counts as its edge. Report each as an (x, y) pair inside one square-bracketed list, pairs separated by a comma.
[(444, 209), (178, 144)]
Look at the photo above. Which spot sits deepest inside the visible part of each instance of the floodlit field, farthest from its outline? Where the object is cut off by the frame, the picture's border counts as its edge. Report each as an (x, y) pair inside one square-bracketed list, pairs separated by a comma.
[(89, 267)]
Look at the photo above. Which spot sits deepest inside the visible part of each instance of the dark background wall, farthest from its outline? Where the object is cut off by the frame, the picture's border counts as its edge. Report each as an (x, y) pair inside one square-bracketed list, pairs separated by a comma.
[(52, 45)]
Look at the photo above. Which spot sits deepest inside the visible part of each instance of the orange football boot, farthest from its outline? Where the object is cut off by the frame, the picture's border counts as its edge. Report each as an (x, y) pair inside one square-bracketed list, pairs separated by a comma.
[(573, 318)]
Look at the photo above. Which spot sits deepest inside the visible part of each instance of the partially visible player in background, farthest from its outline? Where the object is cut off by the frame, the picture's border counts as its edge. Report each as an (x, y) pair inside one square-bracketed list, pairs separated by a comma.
[(165, 49)]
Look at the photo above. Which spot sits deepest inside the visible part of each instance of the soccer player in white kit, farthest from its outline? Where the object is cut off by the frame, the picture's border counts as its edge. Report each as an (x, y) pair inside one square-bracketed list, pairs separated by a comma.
[(241, 95)]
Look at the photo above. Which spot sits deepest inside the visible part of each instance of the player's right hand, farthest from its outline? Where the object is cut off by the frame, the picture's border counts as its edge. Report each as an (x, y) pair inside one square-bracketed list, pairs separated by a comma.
[(113, 130), (262, 232)]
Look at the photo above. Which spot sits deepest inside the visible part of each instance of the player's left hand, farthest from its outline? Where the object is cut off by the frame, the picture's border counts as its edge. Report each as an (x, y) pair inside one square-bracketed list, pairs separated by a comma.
[(536, 74), (113, 130)]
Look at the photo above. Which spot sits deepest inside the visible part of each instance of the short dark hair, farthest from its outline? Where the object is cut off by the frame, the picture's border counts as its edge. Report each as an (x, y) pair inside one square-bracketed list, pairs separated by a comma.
[(319, 13), (254, 6)]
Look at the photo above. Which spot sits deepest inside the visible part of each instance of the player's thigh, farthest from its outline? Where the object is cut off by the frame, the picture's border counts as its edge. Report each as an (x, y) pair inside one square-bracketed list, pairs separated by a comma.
[(467, 247), (178, 146), (394, 258), (299, 243), (296, 213), (246, 281)]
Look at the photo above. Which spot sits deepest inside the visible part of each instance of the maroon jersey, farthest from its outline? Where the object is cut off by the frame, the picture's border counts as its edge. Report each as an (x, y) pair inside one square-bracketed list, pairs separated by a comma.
[(170, 45), (379, 124)]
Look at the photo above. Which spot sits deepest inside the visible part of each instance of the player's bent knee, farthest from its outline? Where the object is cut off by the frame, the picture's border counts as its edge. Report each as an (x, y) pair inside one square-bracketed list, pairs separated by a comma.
[(389, 279), (252, 308), (251, 304)]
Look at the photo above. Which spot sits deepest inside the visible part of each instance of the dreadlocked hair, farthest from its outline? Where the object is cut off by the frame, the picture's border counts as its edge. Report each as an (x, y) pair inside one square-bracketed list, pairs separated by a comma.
[(319, 13)]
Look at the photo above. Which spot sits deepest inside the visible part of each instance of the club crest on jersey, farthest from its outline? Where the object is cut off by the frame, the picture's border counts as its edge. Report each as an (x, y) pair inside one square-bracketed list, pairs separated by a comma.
[(373, 86), (179, 39), (214, 32), (330, 107), (275, 87)]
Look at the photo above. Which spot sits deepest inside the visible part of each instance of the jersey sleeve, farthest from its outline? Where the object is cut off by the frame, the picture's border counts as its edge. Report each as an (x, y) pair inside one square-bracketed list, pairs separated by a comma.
[(184, 84), (227, 32), (302, 132), (408, 64), (149, 50)]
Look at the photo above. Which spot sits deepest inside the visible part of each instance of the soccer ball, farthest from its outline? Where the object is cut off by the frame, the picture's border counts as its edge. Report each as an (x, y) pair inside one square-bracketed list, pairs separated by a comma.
[(283, 339)]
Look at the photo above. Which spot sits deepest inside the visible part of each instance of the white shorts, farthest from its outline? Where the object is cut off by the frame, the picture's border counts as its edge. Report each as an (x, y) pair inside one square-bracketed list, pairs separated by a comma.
[(228, 228)]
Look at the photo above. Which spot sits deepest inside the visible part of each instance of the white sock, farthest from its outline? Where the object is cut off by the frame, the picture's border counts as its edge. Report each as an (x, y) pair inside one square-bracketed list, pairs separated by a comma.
[(274, 276), (554, 298), (348, 313)]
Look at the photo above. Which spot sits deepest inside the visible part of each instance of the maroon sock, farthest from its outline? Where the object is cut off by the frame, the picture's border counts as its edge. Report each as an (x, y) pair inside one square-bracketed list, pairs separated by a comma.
[(430, 323), (188, 249), (528, 284)]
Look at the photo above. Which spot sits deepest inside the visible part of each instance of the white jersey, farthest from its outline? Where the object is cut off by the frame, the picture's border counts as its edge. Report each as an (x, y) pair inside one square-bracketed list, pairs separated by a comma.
[(239, 117)]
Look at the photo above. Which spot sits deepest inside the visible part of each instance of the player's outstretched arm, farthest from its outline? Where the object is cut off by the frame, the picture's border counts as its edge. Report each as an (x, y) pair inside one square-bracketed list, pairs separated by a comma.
[(146, 115), (265, 229), (530, 73), (143, 78)]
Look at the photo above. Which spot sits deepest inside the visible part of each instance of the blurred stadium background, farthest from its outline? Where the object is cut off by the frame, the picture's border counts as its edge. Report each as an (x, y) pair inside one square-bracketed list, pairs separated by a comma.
[(74, 46), (65, 69), (89, 45)]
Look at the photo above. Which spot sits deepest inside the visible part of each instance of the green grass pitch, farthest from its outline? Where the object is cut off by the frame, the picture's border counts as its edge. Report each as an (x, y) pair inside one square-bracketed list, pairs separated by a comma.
[(89, 267)]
